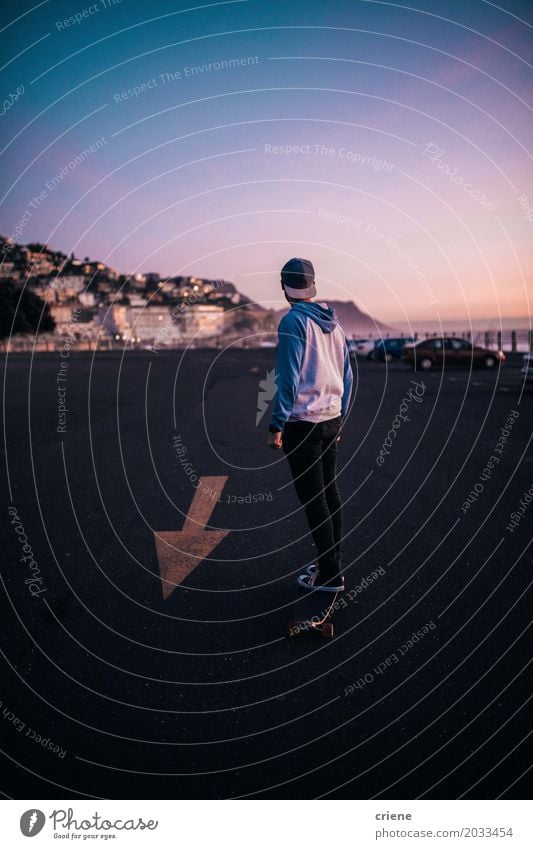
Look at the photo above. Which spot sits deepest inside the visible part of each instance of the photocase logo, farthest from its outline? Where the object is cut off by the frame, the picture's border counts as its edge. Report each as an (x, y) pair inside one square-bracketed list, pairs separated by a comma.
[(31, 822), (267, 390)]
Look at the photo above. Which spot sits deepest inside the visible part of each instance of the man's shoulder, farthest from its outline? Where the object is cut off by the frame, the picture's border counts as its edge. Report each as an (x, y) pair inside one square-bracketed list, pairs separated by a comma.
[(292, 321)]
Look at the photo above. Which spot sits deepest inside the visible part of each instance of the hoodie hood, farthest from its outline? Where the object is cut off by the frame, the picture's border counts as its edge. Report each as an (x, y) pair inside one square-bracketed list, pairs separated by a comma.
[(324, 316)]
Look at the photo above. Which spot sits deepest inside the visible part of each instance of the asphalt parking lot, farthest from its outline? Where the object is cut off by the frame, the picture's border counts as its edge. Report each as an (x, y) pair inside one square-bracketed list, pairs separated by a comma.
[(114, 689)]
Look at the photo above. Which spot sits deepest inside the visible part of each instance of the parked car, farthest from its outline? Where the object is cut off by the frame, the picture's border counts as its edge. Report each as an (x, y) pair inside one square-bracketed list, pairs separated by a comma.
[(527, 367), (388, 349), (450, 351), (360, 346)]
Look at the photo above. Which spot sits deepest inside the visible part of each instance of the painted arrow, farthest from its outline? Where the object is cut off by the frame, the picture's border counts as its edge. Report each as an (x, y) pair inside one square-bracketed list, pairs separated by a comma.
[(179, 552)]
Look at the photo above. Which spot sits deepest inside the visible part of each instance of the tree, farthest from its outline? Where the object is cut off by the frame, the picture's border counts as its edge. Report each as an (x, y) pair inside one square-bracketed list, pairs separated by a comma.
[(30, 314)]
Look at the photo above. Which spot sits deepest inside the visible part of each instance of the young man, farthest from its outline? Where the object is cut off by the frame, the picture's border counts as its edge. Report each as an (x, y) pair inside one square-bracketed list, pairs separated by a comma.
[(314, 384)]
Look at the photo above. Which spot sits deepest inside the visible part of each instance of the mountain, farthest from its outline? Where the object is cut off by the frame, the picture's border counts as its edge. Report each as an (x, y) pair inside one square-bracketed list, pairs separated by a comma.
[(353, 321)]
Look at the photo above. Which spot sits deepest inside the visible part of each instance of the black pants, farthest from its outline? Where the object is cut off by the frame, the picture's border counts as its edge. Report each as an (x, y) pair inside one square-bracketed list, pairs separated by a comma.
[(311, 450)]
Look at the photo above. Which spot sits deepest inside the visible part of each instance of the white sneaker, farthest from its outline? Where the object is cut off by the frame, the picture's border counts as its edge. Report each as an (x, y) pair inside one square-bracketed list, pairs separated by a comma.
[(308, 582)]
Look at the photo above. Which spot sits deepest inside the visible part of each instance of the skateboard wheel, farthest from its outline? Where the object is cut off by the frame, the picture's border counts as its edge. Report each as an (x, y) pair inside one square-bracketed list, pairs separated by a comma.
[(327, 630)]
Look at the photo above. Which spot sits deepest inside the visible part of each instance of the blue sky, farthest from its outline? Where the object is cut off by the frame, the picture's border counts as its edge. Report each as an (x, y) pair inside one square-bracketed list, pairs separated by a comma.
[(389, 144)]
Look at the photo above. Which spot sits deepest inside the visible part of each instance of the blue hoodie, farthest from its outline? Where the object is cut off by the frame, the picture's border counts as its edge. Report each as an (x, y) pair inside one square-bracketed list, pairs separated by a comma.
[(313, 372)]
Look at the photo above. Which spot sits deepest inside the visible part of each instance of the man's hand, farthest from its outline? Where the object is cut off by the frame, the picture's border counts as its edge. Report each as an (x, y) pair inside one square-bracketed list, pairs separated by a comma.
[(274, 439)]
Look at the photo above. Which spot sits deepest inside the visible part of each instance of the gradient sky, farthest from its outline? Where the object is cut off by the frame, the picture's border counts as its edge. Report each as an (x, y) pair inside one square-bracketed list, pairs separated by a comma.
[(183, 184)]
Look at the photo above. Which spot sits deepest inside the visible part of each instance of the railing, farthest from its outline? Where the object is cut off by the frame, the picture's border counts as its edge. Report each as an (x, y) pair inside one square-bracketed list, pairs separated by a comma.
[(515, 341), (506, 340)]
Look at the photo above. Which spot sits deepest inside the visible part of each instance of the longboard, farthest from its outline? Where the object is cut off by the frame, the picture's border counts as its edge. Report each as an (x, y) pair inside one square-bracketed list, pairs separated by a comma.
[(310, 614)]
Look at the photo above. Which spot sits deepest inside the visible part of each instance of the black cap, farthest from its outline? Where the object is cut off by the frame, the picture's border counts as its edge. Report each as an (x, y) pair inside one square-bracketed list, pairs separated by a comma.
[(298, 278)]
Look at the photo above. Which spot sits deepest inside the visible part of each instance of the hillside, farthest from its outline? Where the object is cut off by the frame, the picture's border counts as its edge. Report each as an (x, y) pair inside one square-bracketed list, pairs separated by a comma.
[(353, 321)]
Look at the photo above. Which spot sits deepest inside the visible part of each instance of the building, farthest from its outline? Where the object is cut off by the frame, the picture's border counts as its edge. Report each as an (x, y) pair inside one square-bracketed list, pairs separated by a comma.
[(203, 321), (8, 272), (137, 283), (163, 326), (65, 318), (87, 299), (68, 286), (116, 321), (154, 325), (44, 292), (36, 263), (136, 300)]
